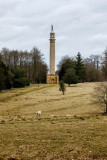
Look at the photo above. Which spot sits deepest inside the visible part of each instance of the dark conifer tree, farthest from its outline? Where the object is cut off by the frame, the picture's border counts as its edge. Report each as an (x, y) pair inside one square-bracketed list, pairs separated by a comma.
[(80, 68)]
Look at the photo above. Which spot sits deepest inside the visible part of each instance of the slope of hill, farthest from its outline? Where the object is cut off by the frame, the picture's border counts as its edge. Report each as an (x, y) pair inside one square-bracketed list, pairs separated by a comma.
[(70, 127)]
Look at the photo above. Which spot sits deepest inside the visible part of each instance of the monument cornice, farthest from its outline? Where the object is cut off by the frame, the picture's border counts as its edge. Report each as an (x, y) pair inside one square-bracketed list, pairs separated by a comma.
[(52, 40)]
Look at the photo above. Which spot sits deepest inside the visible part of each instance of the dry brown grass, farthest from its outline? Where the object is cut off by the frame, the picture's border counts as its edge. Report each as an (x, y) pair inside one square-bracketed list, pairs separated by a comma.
[(76, 131)]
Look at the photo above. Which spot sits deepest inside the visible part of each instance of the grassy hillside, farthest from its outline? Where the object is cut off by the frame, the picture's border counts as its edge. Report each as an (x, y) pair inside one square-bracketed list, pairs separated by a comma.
[(71, 127)]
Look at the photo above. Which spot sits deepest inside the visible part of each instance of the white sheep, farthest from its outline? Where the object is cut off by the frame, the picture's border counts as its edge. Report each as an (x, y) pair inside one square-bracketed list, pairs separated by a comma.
[(38, 113)]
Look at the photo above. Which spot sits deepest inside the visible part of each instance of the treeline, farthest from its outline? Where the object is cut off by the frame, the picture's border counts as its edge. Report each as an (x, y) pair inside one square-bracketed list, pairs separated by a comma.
[(91, 69), (20, 68)]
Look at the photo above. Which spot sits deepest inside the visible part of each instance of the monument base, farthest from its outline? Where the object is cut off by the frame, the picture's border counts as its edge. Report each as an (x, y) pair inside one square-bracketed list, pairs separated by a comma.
[(52, 79)]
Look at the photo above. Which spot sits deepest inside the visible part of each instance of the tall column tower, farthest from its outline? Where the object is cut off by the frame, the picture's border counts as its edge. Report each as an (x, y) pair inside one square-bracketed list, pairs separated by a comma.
[(52, 78), (52, 51)]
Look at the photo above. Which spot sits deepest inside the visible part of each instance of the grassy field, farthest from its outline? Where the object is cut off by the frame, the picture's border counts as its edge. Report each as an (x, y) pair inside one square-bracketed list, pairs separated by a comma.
[(71, 126)]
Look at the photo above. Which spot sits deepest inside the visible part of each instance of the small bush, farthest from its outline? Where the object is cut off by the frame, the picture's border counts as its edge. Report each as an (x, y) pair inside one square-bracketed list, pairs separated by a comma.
[(62, 87), (21, 82)]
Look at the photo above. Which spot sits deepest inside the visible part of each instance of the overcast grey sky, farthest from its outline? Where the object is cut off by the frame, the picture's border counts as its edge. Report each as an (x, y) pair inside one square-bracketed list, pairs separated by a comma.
[(80, 25)]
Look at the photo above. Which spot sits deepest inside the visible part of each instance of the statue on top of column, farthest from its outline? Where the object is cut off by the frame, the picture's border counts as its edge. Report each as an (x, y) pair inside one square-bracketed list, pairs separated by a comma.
[(51, 27)]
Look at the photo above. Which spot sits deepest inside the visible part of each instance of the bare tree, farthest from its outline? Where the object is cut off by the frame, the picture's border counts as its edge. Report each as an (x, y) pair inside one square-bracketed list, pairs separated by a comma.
[(31, 62), (104, 66), (6, 57), (100, 95), (92, 67)]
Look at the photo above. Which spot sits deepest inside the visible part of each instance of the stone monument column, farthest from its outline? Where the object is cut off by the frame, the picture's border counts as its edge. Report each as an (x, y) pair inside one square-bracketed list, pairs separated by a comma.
[(52, 78), (52, 51)]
